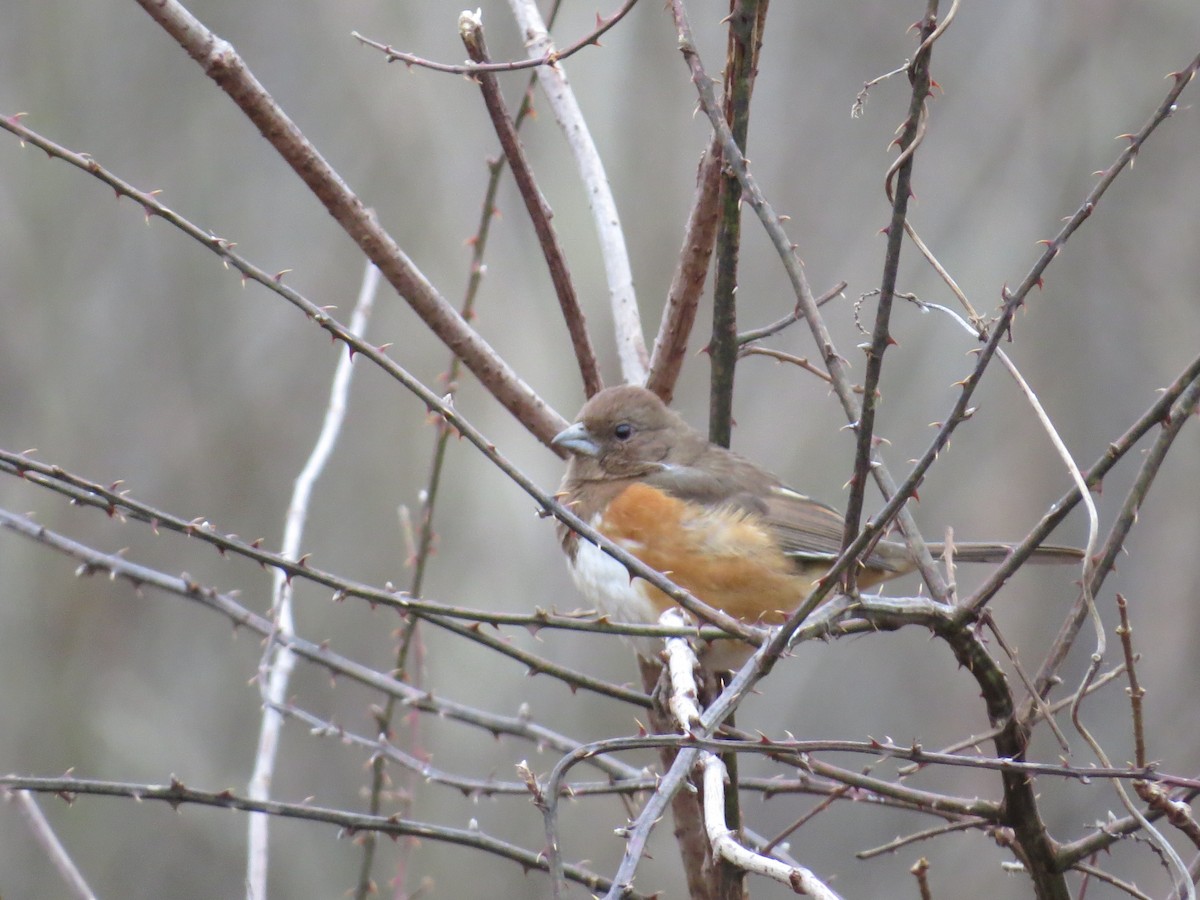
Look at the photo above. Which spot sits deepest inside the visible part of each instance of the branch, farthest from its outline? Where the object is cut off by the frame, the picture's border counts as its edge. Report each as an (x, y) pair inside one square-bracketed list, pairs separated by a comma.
[(424, 539), (113, 501), (746, 22), (865, 457), (177, 794), (631, 344), (474, 68), (92, 561), (275, 671), (45, 837), (223, 65), (757, 334), (471, 31), (687, 284), (472, 788), (835, 364), (726, 846), (1064, 640), (1059, 510)]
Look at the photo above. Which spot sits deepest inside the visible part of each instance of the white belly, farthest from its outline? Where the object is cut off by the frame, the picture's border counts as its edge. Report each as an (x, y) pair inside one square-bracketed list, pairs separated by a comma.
[(607, 585)]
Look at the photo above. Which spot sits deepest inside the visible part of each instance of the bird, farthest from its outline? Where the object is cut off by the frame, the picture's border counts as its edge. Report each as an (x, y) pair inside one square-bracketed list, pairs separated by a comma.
[(718, 525)]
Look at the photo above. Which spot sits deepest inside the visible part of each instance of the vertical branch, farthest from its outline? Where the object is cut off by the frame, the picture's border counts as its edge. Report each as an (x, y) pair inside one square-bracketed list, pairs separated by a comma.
[(746, 19), (683, 298), (914, 127), (425, 532), (278, 661), (471, 31), (1031, 840), (685, 805), (631, 344)]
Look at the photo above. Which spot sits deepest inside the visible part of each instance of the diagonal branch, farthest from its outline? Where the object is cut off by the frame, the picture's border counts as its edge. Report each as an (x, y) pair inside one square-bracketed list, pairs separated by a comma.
[(540, 214), (631, 344), (139, 576), (223, 65), (683, 297), (910, 137)]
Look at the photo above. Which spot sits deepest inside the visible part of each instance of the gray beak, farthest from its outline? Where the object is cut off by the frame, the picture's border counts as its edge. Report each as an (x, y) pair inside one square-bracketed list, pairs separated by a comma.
[(577, 440)]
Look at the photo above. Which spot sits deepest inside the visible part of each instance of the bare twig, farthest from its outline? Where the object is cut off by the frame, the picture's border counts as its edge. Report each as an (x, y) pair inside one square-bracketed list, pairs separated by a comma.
[(276, 668), (631, 344), (1172, 423), (424, 538), (1100, 875), (694, 850), (1182, 411), (222, 64), (757, 334), (1136, 692), (937, 831), (1047, 425), (1116, 450), (467, 786), (780, 356), (726, 846), (115, 501), (687, 284), (683, 699), (549, 59), (545, 422), (93, 561), (920, 871), (177, 793), (471, 31), (45, 837), (835, 364), (746, 21), (1042, 712), (864, 426), (860, 100)]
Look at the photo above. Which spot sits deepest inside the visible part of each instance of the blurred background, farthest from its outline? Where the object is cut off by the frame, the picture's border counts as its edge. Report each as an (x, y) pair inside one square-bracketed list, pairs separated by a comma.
[(128, 352)]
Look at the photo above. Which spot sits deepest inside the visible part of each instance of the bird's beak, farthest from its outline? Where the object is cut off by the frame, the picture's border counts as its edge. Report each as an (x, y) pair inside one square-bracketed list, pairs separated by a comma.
[(577, 439)]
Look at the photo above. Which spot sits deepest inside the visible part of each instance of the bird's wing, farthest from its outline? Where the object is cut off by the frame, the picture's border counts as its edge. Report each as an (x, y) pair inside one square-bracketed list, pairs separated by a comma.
[(803, 528)]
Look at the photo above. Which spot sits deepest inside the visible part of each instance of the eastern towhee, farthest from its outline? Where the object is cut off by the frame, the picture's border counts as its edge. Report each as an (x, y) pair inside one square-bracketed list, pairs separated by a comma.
[(729, 532)]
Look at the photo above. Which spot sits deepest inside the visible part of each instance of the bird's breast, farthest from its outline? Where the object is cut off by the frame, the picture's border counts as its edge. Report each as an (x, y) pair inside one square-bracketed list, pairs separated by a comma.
[(722, 555)]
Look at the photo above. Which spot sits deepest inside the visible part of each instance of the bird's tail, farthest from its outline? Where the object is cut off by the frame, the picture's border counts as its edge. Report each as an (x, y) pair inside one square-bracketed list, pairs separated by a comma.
[(995, 552)]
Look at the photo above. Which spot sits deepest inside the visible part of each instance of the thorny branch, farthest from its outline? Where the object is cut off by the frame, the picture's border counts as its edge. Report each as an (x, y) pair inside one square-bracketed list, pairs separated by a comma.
[(592, 38), (177, 794), (839, 616)]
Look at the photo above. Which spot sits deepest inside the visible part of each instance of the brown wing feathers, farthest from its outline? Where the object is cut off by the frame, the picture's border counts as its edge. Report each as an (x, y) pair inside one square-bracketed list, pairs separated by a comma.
[(625, 435)]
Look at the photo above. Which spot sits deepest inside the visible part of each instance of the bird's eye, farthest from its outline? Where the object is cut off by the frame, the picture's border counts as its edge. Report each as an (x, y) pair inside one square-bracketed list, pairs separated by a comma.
[(623, 432)]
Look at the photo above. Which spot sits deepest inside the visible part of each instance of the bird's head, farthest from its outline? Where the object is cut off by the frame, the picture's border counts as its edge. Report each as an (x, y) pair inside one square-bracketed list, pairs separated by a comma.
[(626, 432)]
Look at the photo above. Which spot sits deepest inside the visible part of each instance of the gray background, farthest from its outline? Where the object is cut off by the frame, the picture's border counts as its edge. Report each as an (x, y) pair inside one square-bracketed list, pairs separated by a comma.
[(128, 352)]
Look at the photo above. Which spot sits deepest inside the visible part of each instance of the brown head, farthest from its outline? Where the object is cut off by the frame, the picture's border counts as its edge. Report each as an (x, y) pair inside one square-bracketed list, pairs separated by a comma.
[(627, 432)]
